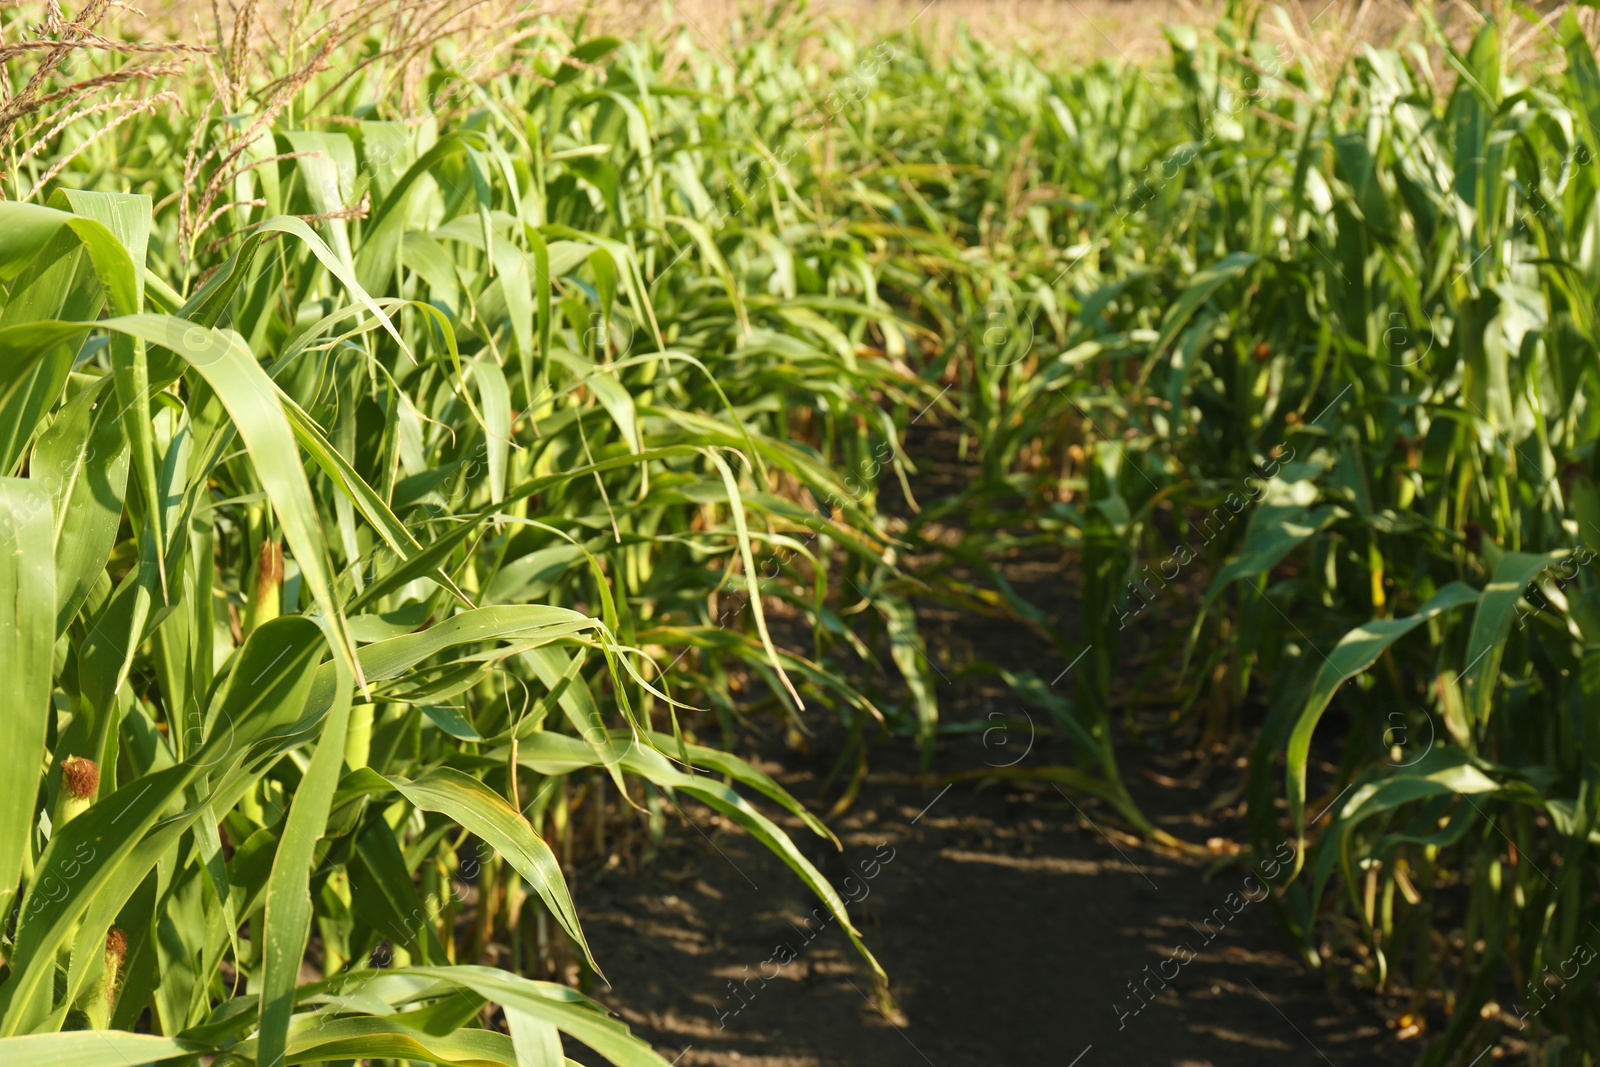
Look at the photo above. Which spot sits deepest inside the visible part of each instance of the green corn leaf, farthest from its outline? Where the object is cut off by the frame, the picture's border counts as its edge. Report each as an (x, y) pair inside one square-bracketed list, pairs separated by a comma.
[(910, 655), (1275, 530), (537, 1043), (552, 754), (82, 462), (382, 241), (24, 230), (1583, 76), (752, 580), (1492, 621), (1200, 290), (743, 773), (95, 1048), (1440, 772), (487, 815), (288, 904), (495, 397), (122, 277), (27, 632), (355, 1039), (1356, 651), (563, 1008), (617, 401), (372, 506)]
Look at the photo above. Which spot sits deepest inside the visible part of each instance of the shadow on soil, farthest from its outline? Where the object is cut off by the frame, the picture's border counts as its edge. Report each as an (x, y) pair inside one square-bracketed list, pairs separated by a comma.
[(1017, 927)]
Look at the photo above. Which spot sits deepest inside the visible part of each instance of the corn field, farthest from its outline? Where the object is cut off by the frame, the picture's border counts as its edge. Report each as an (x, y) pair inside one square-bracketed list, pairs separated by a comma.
[(429, 430)]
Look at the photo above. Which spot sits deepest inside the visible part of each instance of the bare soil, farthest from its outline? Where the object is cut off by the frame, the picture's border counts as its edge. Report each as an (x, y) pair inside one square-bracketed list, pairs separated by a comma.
[(1015, 924)]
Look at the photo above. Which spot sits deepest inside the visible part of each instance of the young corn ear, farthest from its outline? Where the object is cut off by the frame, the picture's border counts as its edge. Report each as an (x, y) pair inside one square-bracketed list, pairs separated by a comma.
[(80, 783), (100, 996), (267, 602)]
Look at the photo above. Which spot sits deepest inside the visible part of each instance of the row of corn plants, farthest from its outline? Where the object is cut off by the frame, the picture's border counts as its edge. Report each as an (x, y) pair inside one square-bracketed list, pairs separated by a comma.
[(410, 426), (1298, 349)]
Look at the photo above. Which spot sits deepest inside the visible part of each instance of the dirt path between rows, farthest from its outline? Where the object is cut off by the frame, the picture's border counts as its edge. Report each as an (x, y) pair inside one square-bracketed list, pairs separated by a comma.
[(1011, 920), (1017, 923)]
